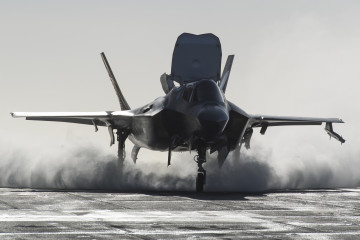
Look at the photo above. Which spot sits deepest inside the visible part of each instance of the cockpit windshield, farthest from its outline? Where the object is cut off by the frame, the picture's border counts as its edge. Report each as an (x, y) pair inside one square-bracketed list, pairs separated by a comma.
[(207, 91)]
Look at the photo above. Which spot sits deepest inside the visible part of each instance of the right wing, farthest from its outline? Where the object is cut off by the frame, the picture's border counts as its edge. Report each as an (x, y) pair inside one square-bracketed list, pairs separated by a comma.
[(113, 120), (246, 122), (265, 121), (260, 120)]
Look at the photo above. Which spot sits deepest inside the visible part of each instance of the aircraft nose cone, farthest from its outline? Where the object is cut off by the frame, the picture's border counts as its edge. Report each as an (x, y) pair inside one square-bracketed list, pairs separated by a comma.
[(213, 120)]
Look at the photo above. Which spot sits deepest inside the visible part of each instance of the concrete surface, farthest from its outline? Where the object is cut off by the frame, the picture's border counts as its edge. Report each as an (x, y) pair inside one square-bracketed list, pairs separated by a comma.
[(312, 214)]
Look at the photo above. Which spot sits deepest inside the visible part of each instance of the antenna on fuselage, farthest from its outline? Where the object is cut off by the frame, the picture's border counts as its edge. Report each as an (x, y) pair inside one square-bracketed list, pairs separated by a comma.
[(123, 104)]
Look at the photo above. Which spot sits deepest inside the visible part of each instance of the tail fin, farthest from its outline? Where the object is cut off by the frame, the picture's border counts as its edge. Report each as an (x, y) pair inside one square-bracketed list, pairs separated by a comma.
[(226, 73), (123, 104)]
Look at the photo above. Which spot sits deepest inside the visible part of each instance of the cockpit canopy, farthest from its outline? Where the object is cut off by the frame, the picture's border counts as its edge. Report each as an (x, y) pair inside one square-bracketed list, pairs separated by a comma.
[(204, 90)]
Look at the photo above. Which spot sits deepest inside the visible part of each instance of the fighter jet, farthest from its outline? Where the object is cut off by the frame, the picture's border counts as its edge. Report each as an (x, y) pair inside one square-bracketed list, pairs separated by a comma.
[(194, 115)]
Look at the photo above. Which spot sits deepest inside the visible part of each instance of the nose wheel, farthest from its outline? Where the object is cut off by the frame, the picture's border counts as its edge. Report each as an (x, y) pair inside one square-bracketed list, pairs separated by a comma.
[(200, 181), (200, 159)]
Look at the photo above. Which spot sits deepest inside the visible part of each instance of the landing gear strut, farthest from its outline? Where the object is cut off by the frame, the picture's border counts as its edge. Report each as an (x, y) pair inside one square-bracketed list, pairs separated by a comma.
[(201, 175), (121, 137)]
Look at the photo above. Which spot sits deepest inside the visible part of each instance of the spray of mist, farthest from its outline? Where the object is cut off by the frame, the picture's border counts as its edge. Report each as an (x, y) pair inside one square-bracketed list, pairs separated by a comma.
[(92, 168), (83, 168)]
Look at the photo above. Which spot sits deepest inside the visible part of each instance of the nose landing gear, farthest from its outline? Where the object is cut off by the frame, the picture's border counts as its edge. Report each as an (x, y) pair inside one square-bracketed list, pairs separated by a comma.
[(200, 159)]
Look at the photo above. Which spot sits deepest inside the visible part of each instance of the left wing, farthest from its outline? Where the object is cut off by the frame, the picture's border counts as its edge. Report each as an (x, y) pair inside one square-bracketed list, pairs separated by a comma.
[(91, 118), (113, 120), (265, 121)]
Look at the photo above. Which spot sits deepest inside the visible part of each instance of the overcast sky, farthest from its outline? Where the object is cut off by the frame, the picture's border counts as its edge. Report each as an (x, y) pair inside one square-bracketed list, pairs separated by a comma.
[(296, 58)]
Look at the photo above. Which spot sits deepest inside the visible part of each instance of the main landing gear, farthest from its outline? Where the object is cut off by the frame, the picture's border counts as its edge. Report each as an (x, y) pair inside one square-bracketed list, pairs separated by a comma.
[(121, 137), (201, 175)]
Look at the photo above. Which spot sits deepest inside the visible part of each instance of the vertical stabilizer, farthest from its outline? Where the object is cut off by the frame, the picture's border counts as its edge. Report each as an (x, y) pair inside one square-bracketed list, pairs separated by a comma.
[(226, 73), (123, 104)]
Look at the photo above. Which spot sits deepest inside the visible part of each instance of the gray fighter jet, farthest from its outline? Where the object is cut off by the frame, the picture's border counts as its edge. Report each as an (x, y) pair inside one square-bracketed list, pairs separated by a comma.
[(193, 115)]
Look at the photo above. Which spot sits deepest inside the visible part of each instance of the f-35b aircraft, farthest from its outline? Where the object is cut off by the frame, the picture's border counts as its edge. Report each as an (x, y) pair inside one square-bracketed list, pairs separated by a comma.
[(193, 115)]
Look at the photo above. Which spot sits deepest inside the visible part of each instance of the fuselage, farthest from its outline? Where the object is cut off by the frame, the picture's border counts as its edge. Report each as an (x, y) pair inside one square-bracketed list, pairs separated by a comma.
[(189, 114)]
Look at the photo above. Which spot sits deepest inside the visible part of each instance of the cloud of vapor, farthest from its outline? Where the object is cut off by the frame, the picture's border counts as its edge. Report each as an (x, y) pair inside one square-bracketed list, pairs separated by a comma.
[(88, 167), (258, 171), (241, 172), (84, 168)]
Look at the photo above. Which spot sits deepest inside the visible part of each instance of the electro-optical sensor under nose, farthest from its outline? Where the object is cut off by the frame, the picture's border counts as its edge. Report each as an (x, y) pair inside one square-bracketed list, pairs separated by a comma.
[(213, 120)]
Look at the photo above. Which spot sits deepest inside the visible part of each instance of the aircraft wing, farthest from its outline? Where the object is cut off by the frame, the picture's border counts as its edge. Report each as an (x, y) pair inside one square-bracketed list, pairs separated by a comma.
[(72, 117), (265, 121), (258, 120), (113, 120)]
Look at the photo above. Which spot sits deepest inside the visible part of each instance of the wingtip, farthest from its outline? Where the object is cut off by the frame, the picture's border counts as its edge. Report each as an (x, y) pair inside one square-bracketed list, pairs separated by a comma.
[(12, 114)]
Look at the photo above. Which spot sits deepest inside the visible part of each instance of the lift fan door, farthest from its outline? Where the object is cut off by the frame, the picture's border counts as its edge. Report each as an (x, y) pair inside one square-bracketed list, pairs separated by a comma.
[(196, 57)]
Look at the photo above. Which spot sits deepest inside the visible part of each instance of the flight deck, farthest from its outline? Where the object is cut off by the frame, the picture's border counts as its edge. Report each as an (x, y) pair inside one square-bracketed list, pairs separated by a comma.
[(49, 214)]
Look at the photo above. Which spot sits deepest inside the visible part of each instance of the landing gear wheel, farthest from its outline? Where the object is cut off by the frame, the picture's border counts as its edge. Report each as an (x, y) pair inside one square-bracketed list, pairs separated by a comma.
[(201, 176), (121, 137), (200, 181)]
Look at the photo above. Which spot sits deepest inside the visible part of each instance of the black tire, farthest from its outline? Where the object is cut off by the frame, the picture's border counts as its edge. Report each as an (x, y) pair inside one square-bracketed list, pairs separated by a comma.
[(200, 181)]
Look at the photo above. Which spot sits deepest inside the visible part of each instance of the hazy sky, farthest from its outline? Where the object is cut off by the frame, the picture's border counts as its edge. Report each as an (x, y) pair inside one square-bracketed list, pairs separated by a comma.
[(297, 58)]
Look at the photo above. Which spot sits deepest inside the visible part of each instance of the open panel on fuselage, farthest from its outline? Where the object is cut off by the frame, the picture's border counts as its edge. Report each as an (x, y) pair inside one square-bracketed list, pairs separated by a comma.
[(196, 57)]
